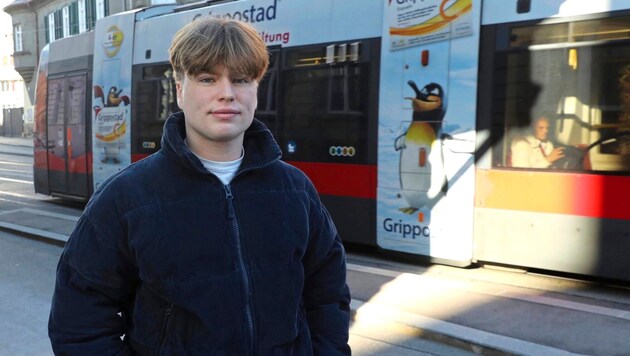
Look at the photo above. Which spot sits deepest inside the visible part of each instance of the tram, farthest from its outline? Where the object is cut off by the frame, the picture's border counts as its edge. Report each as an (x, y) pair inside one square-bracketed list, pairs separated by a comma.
[(403, 113)]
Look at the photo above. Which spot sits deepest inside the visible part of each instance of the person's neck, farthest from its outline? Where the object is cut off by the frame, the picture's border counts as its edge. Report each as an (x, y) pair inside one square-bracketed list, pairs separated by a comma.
[(216, 151), (538, 139)]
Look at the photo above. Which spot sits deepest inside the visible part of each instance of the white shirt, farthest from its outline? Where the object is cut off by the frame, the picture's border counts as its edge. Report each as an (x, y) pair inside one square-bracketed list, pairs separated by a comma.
[(530, 152), (225, 171)]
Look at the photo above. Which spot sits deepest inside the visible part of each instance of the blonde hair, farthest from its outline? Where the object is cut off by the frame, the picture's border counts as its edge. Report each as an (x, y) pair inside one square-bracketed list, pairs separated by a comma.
[(207, 42)]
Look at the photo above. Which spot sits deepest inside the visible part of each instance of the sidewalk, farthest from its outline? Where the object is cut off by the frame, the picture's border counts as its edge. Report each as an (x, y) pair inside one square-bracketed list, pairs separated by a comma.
[(495, 312), (22, 146)]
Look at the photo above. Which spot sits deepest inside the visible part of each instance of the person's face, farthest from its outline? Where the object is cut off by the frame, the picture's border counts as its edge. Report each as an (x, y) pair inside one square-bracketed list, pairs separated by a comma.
[(219, 106), (541, 129)]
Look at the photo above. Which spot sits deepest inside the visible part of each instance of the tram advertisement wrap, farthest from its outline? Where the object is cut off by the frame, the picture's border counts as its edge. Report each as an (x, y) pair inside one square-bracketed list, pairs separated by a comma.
[(415, 22), (427, 135), (111, 114)]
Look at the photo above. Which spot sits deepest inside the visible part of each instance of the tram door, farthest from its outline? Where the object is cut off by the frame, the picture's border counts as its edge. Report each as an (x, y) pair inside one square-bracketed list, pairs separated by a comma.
[(67, 158)]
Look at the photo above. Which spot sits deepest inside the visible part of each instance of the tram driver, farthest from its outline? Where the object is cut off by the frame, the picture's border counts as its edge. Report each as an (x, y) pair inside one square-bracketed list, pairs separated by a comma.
[(535, 150)]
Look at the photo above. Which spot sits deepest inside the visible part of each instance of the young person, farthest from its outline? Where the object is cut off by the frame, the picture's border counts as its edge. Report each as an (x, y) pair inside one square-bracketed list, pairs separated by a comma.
[(213, 245)]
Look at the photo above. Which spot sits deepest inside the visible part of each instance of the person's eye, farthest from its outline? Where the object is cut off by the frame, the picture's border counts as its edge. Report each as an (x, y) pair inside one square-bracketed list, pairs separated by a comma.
[(207, 80), (241, 80)]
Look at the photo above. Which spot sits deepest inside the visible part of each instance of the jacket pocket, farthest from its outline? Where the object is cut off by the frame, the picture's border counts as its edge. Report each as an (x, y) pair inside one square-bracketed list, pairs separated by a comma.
[(166, 323)]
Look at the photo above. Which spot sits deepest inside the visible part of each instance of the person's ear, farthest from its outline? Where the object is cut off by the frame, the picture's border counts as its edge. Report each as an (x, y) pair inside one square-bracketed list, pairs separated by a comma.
[(178, 86)]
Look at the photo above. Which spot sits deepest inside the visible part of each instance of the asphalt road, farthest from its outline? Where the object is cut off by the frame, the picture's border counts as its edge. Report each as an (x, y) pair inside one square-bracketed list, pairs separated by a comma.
[(27, 271)]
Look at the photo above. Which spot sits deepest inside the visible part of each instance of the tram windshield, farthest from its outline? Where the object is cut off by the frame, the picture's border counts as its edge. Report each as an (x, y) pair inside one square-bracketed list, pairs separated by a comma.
[(577, 76)]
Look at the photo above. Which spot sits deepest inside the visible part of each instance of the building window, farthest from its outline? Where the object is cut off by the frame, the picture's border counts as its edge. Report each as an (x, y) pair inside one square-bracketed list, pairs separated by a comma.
[(77, 17), (46, 27), (58, 24), (51, 28), (90, 13), (82, 16), (100, 9), (17, 38), (66, 21), (73, 10)]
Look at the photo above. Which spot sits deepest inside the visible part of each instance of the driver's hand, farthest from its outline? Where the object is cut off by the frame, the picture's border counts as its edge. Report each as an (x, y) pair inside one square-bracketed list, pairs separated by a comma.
[(556, 154)]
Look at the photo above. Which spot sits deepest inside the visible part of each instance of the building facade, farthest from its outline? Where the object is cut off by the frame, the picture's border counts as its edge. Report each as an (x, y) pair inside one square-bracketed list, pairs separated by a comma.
[(11, 85), (38, 22)]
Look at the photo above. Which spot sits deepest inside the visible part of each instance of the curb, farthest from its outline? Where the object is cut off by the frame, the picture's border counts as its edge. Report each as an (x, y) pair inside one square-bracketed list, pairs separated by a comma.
[(35, 234), (431, 335), (17, 153), (462, 337)]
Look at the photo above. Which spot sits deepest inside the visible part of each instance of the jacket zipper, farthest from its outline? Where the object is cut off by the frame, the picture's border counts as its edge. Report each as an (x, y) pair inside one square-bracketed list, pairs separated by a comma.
[(241, 262), (167, 319)]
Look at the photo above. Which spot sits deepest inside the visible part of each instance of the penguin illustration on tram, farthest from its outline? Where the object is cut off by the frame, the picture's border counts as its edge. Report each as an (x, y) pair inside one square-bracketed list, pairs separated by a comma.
[(109, 134), (422, 175)]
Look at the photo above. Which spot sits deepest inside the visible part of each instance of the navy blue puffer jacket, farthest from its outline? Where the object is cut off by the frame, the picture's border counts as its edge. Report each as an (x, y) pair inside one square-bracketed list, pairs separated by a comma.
[(180, 264)]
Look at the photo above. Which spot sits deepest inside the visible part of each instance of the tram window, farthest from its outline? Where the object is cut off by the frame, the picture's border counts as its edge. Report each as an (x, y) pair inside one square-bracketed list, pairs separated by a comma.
[(614, 125), (76, 98), (613, 28), (266, 88), (267, 93), (306, 57), (355, 100), (345, 90), (337, 89), (61, 106), (56, 102), (323, 105), (324, 93), (583, 89), (154, 100), (156, 95)]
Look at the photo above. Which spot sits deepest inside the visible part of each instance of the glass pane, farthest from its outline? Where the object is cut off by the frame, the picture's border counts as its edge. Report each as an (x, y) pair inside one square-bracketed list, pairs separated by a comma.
[(534, 35), (267, 93), (607, 29), (311, 124), (267, 86), (337, 89), (357, 88), (76, 99), (585, 95), (74, 18), (56, 101), (58, 24), (611, 81), (306, 57), (156, 94)]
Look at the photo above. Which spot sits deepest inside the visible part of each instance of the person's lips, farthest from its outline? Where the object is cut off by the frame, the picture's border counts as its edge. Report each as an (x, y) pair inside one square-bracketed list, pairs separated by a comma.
[(225, 113)]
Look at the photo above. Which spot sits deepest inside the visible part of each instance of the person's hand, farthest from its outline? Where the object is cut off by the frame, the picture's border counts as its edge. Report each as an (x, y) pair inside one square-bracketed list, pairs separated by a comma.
[(556, 154)]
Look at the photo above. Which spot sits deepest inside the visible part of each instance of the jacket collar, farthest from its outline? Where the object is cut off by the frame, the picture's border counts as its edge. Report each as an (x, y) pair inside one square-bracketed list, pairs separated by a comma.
[(260, 147)]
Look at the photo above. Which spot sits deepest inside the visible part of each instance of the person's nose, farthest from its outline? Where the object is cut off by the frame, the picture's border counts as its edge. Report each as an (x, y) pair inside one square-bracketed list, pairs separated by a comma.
[(226, 90)]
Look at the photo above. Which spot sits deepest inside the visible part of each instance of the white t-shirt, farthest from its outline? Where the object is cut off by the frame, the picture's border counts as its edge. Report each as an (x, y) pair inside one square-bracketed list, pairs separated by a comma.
[(225, 171)]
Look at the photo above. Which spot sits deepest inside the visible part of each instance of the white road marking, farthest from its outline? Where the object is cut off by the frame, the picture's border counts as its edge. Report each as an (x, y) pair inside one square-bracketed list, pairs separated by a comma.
[(16, 180)]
